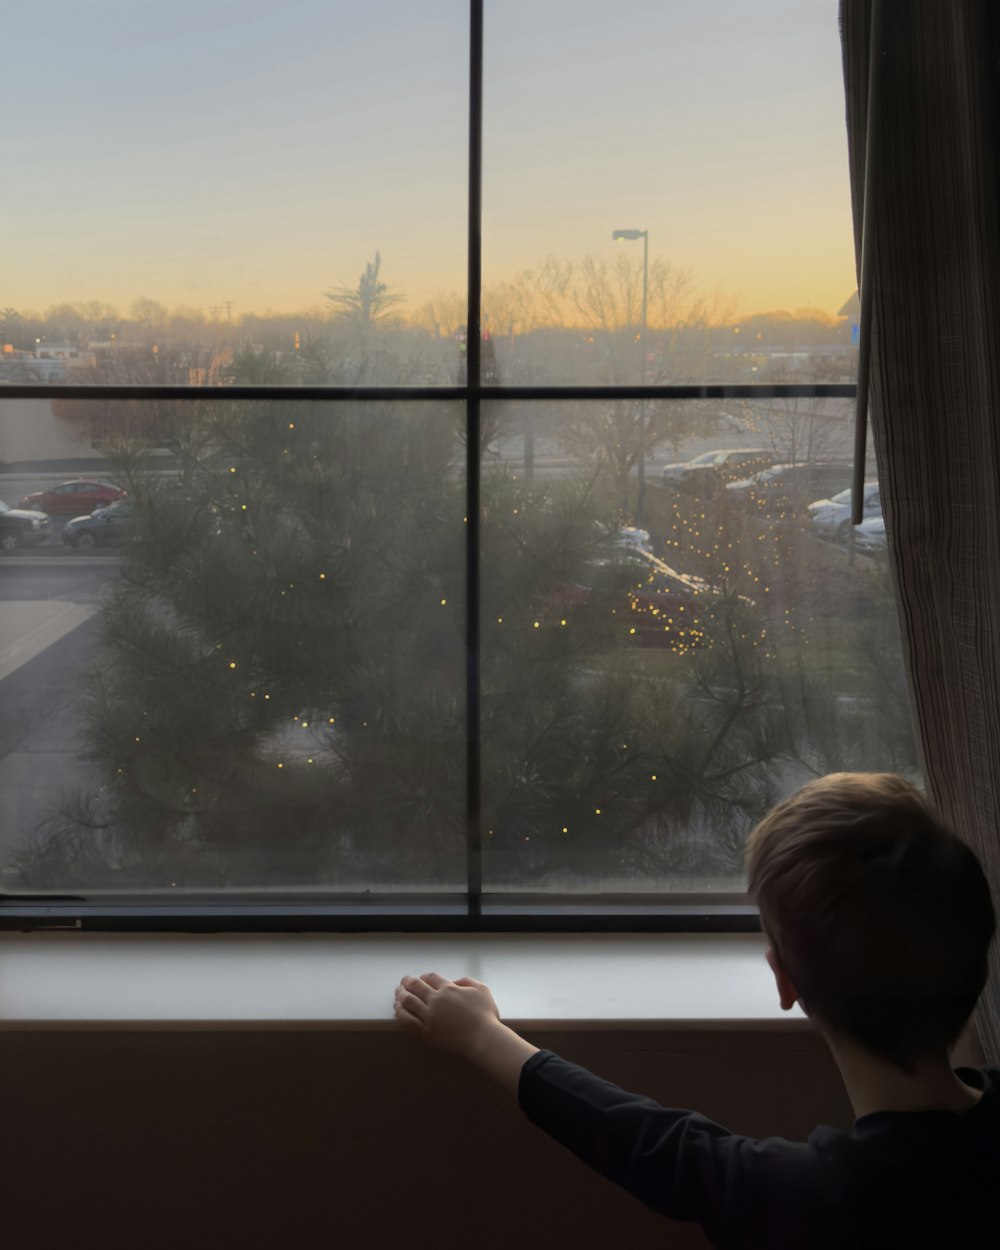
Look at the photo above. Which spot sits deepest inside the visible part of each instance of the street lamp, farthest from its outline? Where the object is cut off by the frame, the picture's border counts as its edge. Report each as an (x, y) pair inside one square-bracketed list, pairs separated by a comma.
[(622, 236)]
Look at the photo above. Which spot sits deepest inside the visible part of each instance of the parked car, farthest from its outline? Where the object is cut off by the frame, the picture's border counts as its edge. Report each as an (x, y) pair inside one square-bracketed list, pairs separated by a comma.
[(831, 518), (21, 527), (104, 527), (870, 535), (75, 497), (672, 472), (788, 488), (723, 467)]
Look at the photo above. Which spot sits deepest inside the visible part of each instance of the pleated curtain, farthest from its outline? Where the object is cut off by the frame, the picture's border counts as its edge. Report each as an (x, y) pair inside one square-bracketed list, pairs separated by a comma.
[(935, 382)]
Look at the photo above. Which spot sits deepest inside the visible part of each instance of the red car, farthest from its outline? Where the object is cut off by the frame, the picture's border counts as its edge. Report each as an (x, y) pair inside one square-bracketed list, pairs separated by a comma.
[(73, 498)]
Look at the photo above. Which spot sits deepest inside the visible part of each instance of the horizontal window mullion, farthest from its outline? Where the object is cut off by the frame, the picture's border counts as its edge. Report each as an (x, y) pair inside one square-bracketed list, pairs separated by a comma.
[(346, 394)]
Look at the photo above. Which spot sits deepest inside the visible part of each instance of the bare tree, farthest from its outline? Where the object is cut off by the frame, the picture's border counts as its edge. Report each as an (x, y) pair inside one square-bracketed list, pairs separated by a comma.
[(367, 306)]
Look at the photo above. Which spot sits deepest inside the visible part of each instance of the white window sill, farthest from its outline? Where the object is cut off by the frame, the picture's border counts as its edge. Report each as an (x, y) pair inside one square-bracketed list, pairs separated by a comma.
[(338, 981)]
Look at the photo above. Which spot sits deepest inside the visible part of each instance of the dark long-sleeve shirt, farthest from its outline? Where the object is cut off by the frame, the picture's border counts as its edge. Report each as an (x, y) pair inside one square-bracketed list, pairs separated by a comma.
[(897, 1179)]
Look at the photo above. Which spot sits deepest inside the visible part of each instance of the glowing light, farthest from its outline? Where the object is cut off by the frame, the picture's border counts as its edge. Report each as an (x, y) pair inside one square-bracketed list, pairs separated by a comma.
[(443, 602), (232, 468), (322, 577), (536, 625), (281, 766), (232, 663), (597, 811), (565, 830), (652, 777), (291, 425)]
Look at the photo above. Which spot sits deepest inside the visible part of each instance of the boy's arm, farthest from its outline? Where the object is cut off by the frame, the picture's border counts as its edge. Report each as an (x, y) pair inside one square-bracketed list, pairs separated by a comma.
[(677, 1162)]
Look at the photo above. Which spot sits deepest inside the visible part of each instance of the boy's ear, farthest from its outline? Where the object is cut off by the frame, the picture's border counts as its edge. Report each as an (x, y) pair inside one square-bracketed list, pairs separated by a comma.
[(788, 995)]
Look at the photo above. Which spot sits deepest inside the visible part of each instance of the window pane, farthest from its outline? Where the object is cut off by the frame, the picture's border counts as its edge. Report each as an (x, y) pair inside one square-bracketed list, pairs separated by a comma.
[(247, 673), (649, 690), (713, 133), (190, 177)]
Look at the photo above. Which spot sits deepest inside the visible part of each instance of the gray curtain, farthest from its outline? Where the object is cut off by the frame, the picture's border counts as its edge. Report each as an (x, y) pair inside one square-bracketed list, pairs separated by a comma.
[(935, 384)]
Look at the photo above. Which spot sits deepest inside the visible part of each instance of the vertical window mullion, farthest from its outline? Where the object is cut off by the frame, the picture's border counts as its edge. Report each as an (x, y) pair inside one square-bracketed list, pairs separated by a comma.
[(472, 462)]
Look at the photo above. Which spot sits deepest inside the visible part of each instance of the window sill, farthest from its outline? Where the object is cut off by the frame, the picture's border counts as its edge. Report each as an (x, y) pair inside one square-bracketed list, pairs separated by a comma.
[(345, 982)]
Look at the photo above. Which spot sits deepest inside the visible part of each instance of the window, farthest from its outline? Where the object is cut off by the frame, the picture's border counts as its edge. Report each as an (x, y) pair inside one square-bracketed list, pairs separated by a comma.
[(412, 615)]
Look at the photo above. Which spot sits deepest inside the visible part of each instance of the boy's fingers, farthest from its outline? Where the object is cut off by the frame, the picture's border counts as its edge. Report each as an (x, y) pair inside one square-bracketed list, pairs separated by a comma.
[(407, 1020), (417, 987), (434, 979), (409, 1002)]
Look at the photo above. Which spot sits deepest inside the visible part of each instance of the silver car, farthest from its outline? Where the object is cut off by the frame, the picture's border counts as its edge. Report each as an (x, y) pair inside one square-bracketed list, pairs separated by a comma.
[(870, 535), (831, 518)]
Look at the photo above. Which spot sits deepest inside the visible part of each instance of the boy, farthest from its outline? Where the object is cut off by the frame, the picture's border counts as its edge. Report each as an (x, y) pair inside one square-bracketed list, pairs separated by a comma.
[(878, 922)]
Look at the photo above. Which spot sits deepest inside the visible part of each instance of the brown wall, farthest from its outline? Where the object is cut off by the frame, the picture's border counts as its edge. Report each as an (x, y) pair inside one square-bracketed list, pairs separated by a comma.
[(186, 1140)]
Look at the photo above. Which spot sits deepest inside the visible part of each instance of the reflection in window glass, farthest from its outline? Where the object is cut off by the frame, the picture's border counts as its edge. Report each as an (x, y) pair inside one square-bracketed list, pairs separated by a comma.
[(651, 685), (247, 669)]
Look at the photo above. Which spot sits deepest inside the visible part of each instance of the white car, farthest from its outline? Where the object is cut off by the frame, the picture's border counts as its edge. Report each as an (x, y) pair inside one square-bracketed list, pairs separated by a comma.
[(870, 535), (831, 518)]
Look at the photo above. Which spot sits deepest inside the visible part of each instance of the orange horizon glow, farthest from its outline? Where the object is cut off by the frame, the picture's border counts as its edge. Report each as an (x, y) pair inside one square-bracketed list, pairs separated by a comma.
[(256, 170)]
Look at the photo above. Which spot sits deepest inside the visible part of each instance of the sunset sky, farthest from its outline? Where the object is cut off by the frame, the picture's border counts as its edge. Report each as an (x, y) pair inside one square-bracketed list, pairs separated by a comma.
[(203, 151)]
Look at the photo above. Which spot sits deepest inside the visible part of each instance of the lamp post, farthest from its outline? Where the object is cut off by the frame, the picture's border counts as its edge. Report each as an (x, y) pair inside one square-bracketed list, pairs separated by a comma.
[(621, 236)]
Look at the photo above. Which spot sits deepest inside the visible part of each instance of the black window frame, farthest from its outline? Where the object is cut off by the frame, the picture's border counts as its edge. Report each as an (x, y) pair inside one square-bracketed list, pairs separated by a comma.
[(474, 910)]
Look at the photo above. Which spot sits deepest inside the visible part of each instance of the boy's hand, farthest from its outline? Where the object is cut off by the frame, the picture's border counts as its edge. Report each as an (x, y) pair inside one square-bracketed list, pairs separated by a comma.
[(451, 1015), (462, 1017)]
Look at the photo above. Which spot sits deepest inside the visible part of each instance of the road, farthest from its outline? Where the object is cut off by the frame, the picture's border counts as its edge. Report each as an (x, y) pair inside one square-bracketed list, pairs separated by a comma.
[(48, 606)]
